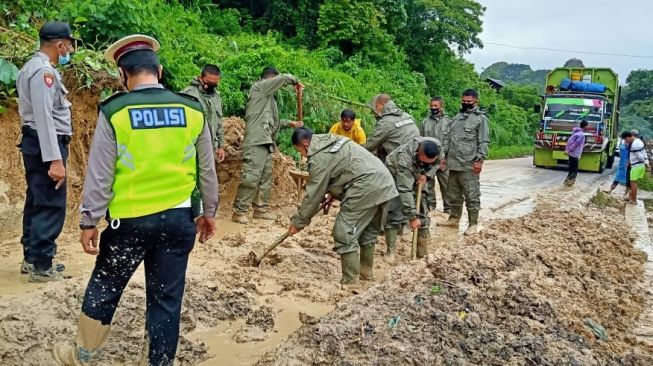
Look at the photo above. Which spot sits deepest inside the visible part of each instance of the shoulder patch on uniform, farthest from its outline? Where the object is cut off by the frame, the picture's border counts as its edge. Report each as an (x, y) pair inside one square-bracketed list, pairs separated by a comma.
[(403, 122), (338, 145), (48, 78)]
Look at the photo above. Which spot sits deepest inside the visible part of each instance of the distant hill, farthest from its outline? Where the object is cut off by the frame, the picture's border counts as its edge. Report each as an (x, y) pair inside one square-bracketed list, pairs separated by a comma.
[(515, 73)]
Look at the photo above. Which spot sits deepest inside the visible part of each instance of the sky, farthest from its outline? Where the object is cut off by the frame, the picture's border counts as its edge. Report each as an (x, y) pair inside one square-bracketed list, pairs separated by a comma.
[(621, 27)]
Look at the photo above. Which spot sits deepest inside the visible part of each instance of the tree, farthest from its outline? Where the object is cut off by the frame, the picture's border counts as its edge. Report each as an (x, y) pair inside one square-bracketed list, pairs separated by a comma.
[(356, 27), (640, 86)]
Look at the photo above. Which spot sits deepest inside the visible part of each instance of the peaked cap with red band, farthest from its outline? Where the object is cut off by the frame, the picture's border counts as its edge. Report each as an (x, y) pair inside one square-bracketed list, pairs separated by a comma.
[(130, 43)]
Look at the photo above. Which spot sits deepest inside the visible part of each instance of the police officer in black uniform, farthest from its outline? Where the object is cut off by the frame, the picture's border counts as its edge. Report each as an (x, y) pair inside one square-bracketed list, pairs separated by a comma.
[(47, 128), (151, 150)]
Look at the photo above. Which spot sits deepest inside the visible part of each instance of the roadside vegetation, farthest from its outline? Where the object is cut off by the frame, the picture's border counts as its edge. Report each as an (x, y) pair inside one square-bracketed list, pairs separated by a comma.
[(352, 50)]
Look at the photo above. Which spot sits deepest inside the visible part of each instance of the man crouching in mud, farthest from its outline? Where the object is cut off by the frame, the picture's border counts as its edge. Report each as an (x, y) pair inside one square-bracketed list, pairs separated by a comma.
[(339, 168), (151, 146)]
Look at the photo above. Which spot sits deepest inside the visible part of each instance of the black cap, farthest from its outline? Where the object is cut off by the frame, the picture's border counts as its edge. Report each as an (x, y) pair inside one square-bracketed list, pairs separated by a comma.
[(56, 30)]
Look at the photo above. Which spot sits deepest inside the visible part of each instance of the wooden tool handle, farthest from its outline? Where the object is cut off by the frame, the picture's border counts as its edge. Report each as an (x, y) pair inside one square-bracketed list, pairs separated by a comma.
[(418, 203), (300, 106), (273, 245)]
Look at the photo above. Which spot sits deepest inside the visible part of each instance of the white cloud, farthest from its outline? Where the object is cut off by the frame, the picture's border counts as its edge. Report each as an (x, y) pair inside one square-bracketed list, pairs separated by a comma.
[(582, 25)]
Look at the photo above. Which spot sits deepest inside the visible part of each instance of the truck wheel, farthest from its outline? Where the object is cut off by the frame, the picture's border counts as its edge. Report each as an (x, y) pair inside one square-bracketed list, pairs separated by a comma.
[(610, 162)]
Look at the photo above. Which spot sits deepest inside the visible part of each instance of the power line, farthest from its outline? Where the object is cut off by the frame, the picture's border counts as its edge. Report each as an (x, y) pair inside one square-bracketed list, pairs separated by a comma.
[(566, 51)]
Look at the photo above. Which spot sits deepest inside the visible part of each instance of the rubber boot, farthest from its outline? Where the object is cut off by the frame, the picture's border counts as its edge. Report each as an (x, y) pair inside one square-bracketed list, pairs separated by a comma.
[(391, 244), (367, 262), (239, 218), (473, 223), (454, 218), (350, 263), (91, 337), (423, 241)]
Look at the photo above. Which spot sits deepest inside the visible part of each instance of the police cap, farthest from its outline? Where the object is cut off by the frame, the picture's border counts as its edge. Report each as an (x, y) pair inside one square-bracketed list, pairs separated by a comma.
[(56, 30), (130, 43)]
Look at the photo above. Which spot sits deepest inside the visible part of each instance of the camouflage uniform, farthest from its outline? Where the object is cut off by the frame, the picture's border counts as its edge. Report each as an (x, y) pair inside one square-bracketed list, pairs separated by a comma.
[(437, 127), (468, 142), (339, 166), (406, 170), (212, 106), (261, 129), (393, 129)]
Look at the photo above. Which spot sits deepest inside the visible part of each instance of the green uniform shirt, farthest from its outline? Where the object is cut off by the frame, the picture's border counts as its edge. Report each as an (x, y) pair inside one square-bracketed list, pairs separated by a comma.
[(212, 106), (393, 129), (469, 138), (436, 127), (404, 167), (345, 169), (262, 114)]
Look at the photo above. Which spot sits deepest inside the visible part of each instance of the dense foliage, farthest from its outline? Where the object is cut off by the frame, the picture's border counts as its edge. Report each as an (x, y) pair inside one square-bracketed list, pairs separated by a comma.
[(347, 49), (637, 103), (516, 73)]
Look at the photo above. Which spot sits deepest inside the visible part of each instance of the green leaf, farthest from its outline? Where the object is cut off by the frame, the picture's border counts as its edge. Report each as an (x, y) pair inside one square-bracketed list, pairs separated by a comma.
[(8, 72)]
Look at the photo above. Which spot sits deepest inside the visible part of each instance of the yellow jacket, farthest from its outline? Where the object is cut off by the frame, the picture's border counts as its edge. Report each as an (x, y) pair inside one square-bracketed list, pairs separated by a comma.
[(356, 134)]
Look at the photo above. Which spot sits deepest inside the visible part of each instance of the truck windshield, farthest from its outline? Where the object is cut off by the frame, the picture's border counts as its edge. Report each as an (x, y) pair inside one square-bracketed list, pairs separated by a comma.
[(573, 109)]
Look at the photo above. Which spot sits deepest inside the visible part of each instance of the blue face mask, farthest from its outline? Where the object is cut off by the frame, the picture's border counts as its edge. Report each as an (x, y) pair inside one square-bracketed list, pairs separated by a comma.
[(64, 59)]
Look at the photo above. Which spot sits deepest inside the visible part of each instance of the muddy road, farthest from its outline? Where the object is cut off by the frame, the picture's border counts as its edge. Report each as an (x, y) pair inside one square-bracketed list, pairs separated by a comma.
[(235, 314)]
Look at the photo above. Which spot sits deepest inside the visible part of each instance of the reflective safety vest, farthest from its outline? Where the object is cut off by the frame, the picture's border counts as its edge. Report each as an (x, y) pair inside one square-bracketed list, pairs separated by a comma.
[(156, 168)]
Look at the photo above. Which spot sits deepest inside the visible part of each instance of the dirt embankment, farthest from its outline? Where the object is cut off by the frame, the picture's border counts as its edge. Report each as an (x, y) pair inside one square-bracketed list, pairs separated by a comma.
[(283, 187), (527, 291), (12, 174), (85, 111)]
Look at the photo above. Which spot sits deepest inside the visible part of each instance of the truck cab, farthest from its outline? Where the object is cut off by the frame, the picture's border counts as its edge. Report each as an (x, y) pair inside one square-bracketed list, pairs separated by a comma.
[(565, 106)]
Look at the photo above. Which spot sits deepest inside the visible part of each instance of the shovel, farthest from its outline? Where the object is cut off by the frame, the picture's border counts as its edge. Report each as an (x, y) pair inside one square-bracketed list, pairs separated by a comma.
[(255, 260), (418, 202)]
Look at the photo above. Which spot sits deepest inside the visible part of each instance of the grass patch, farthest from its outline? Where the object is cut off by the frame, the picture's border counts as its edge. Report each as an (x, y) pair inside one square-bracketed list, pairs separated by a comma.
[(509, 152), (646, 183)]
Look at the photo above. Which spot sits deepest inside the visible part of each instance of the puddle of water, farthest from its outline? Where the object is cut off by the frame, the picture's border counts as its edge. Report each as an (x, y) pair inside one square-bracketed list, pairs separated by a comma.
[(224, 349)]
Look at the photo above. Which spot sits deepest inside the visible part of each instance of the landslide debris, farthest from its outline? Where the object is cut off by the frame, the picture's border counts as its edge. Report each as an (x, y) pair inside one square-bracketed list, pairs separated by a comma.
[(522, 292)]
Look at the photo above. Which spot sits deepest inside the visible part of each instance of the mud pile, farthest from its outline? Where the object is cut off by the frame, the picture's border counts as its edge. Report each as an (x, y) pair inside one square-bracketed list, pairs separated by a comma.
[(284, 188), (538, 290), (30, 325)]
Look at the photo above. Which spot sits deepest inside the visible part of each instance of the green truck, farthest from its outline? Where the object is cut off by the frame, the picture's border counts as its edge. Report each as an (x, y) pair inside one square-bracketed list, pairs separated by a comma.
[(574, 94)]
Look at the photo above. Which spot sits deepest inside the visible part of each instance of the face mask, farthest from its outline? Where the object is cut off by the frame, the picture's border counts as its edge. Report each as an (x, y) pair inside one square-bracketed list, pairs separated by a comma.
[(209, 88), (464, 107), (64, 59), (423, 165), (435, 111)]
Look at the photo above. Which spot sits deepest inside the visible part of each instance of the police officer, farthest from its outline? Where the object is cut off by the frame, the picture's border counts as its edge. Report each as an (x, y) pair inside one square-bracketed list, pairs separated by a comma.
[(47, 128), (261, 129), (436, 125), (151, 149), (204, 88), (465, 152), (393, 128), (341, 169), (411, 164)]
